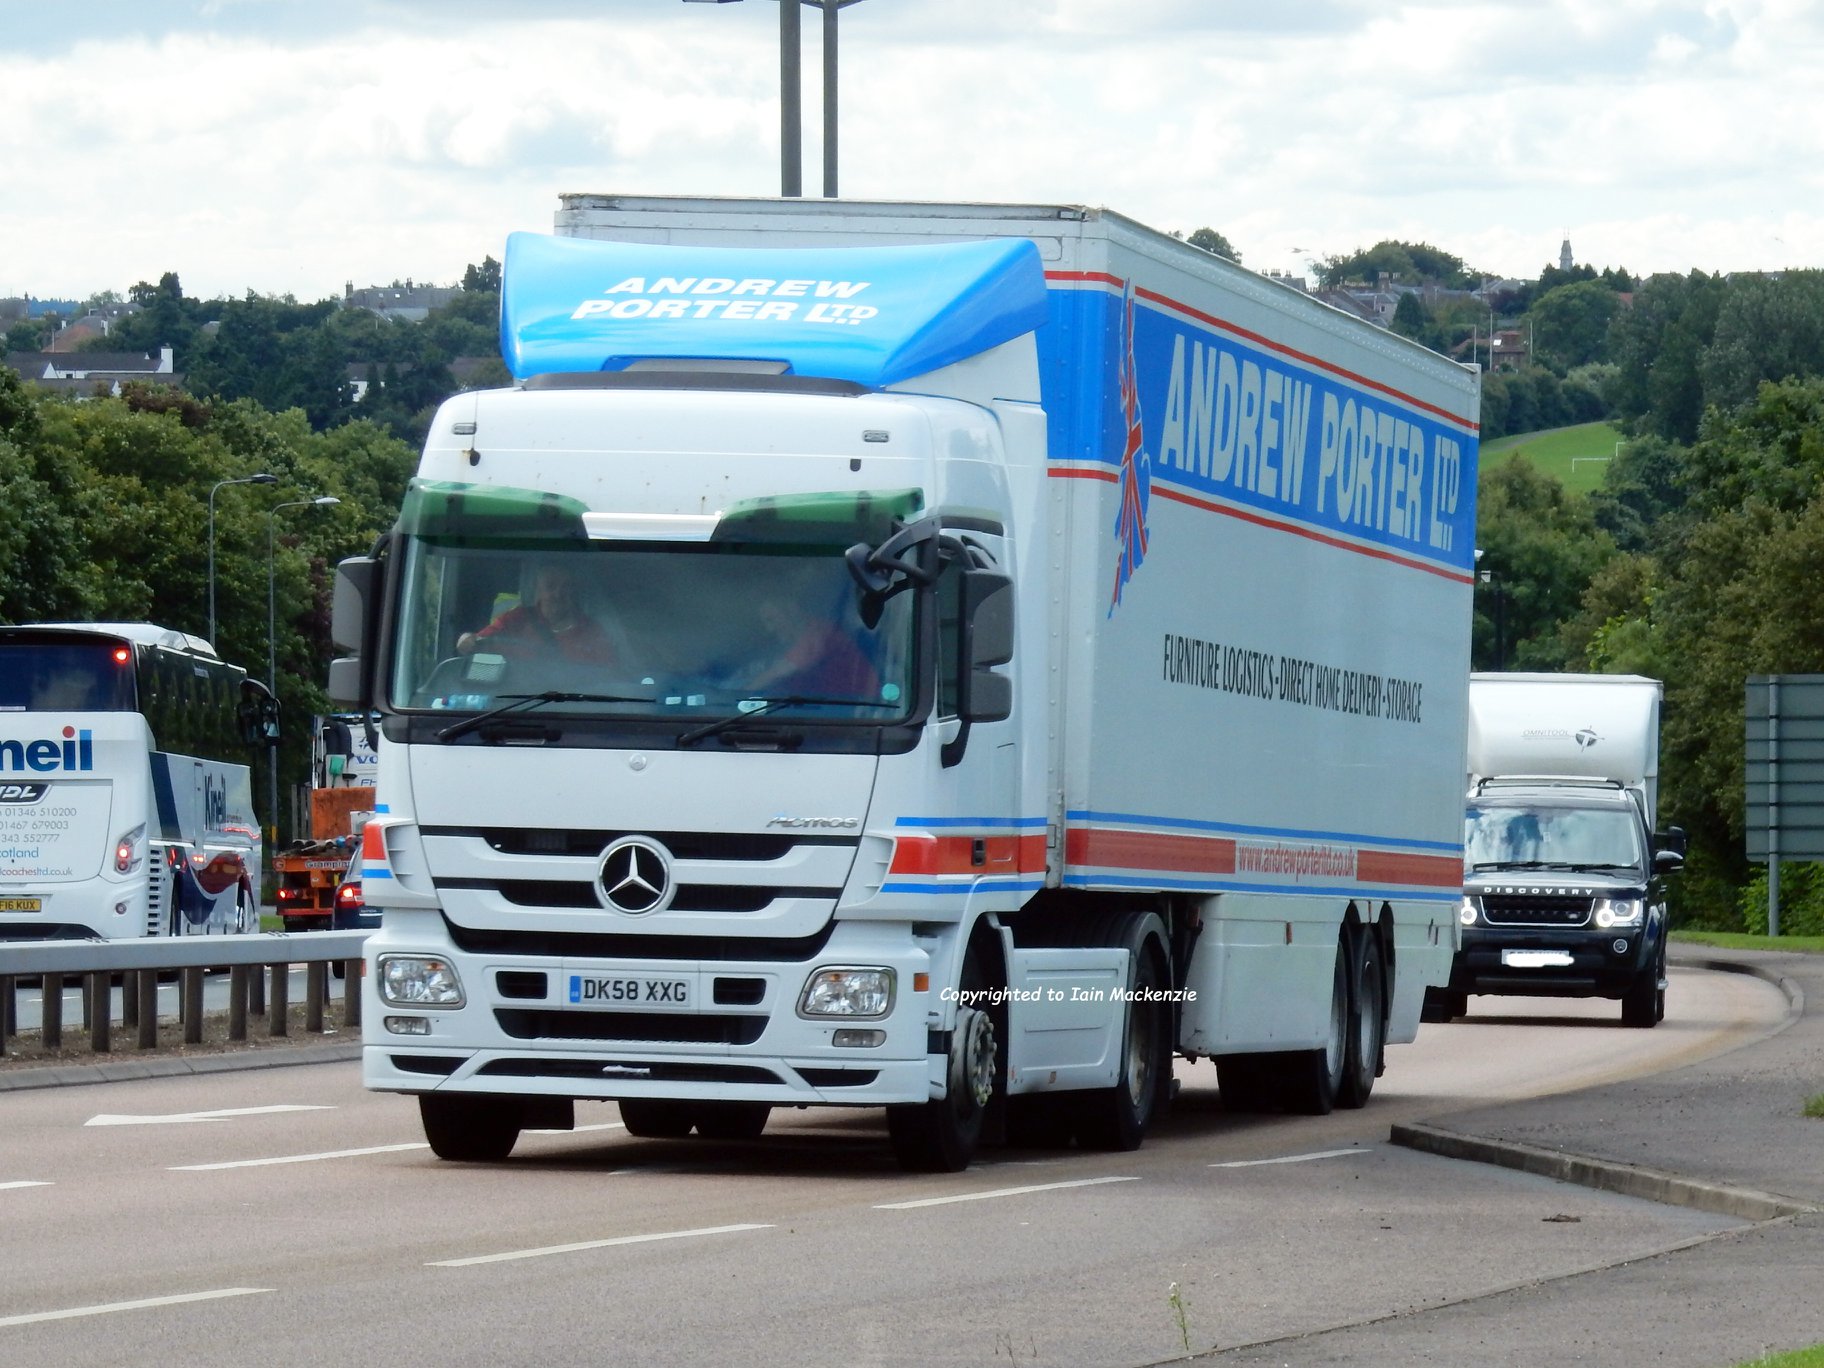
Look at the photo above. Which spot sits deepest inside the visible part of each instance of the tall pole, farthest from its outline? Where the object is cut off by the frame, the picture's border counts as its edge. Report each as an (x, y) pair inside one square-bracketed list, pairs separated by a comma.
[(830, 11), (261, 478), (272, 667), (791, 152)]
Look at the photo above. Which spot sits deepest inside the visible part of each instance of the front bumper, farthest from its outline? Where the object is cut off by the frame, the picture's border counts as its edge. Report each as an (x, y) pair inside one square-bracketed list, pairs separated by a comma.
[(1548, 962), (518, 1033)]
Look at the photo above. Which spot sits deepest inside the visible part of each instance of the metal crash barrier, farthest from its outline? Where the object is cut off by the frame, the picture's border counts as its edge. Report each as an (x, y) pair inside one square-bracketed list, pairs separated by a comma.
[(249, 960)]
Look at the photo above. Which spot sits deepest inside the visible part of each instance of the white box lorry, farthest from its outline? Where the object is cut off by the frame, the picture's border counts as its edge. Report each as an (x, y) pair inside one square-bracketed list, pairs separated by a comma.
[(1563, 868), (947, 658)]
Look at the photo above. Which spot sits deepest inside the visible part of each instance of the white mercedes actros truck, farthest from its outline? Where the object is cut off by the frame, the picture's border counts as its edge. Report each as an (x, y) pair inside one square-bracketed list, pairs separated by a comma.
[(953, 659)]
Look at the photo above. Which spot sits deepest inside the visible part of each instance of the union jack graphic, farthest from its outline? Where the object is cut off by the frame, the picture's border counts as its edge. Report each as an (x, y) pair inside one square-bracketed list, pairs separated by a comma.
[(1136, 466)]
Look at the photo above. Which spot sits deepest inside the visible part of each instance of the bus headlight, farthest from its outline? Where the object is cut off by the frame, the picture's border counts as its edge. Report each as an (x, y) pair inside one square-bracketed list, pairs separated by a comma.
[(864, 994), (419, 981), (130, 849), (1618, 912), (1468, 911)]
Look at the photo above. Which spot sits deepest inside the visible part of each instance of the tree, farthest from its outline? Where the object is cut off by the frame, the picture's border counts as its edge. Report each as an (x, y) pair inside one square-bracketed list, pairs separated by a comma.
[(1411, 263), (1215, 243), (1766, 329), (1570, 323), (485, 278), (1540, 548)]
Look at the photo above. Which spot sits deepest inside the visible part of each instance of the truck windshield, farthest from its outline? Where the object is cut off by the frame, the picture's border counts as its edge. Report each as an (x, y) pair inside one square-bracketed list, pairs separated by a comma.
[(1560, 837), (692, 631)]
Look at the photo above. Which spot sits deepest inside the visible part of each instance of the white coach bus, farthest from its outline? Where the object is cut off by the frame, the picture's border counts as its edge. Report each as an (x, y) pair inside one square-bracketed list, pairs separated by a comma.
[(126, 803)]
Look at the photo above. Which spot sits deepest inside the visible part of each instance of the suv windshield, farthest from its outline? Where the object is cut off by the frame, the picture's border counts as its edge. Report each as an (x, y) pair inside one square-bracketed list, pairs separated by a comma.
[(638, 629), (1599, 838)]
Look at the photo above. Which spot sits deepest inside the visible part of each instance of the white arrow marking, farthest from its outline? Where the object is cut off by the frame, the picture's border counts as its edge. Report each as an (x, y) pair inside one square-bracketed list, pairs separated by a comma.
[(23, 1183), (184, 1118)]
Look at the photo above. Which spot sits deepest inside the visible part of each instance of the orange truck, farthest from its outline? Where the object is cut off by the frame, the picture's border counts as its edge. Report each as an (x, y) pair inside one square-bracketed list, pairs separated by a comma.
[(341, 798)]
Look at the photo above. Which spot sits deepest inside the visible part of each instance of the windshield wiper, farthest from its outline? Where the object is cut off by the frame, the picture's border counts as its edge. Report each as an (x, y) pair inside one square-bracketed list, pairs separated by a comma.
[(722, 724), (518, 703), (1524, 864)]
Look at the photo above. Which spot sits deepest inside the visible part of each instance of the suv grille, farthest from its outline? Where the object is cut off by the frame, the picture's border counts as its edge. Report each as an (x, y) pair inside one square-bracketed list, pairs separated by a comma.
[(1535, 909)]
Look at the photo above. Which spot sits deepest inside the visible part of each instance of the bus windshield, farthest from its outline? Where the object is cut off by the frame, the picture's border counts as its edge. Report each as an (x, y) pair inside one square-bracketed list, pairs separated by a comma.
[(77, 676)]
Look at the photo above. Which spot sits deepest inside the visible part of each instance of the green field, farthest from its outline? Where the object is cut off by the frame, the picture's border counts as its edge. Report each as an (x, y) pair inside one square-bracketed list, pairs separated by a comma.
[(1577, 456)]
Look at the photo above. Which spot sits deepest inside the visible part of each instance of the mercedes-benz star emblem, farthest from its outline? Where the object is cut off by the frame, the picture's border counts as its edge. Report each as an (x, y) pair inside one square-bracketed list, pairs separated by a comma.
[(635, 877)]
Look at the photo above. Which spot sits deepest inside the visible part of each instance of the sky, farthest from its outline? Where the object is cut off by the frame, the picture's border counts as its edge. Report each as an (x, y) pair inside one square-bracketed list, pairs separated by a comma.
[(292, 147)]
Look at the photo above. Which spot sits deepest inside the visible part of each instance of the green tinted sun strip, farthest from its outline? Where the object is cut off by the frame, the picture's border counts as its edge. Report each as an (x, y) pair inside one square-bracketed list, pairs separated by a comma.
[(442, 510), (839, 517)]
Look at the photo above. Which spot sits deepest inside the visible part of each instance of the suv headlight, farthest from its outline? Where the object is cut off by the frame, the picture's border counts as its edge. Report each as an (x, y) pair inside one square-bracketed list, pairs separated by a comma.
[(419, 981), (1611, 912), (1469, 910), (864, 994)]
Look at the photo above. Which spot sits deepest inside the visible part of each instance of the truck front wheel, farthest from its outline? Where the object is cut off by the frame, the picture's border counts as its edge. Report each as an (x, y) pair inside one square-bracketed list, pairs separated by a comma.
[(472, 1130), (940, 1136)]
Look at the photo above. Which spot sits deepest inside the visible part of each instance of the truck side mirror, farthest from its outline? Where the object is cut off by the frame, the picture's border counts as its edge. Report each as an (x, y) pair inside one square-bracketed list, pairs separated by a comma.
[(987, 605), (1673, 838), (345, 680), (348, 607), (1668, 861)]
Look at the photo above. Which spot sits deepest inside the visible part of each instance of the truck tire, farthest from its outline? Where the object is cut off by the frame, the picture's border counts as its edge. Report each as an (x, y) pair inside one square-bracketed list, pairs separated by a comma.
[(651, 1119), (1312, 1079), (942, 1135), (1367, 1018), (1245, 1083), (1117, 1118), (731, 1120), (1644, 1004), (472, 1130), (1442, 1005)]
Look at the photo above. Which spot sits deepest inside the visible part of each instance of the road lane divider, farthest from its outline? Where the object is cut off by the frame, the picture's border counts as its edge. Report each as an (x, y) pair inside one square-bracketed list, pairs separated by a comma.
[(583, 1245), (297, 1158), (999, 1192), (1294, 1158), (143, 1304)]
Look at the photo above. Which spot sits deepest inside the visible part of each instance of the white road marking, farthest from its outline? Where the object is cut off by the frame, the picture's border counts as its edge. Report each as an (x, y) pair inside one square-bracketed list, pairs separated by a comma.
[(998, 1192), (105, 1309), (592, 1244), (185, 1118), (297, 1158), (1293, 1158), (578, 1130), (21, 1183)]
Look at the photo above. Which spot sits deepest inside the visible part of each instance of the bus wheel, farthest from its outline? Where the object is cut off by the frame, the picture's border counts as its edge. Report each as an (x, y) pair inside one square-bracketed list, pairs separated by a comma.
[(1116, 1118), (1313, 1078), (473, 1130), (1367, 1019)]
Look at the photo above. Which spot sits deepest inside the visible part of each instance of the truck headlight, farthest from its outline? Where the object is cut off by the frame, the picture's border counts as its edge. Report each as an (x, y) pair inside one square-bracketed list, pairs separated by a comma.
[(1468, 911), (1618, 912), (863, 994), (419, 981)]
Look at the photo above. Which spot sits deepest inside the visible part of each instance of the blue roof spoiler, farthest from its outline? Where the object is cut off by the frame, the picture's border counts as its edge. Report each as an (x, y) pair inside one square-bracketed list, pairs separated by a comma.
[(873, 315)]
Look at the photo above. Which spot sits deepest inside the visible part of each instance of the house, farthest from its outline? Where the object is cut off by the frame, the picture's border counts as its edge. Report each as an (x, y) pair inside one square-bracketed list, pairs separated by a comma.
[(408, 302), (84, 373)]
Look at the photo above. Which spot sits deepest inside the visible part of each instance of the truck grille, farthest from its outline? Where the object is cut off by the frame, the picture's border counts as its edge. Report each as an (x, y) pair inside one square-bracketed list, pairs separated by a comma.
[(678, 1028), (1535, 909)]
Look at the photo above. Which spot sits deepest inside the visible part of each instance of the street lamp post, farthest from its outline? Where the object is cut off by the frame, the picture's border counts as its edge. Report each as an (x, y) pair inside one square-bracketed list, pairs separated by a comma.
[(272, 636), (261, 478), (791, 173)]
